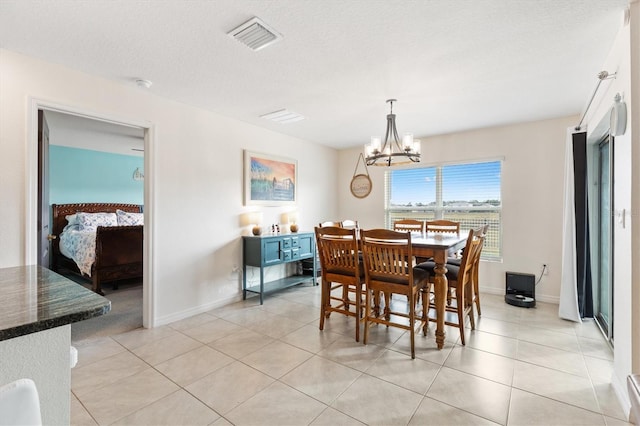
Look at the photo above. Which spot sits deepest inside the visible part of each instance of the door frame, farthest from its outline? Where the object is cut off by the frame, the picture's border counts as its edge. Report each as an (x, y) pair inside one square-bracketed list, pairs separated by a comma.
[(31, 191)]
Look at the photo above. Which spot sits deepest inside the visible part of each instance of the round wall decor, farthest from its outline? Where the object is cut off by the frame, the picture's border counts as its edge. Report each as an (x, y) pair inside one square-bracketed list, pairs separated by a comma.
[(361, 186)]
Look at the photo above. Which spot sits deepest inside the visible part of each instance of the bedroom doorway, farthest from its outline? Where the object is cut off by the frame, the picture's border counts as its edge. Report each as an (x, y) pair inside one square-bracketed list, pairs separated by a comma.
[(39, 209)]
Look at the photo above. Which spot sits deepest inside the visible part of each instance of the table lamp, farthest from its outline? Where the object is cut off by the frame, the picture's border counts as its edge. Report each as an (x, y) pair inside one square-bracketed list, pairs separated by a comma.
[(255, 218), (291, 218)]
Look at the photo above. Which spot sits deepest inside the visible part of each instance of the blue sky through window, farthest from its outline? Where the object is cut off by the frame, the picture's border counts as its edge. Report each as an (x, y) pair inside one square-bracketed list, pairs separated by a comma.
[(461, 182)]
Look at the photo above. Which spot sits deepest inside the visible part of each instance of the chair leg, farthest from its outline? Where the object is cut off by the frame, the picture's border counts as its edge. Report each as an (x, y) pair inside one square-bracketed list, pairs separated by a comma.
[(476, 295), (412, 323), (367, 312), (387, 306), (460, 310), (358, 309), (425, 309), (323, 302)]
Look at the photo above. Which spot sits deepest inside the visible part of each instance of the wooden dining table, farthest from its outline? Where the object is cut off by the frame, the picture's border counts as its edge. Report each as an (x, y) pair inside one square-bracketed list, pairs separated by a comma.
[(439, 246)]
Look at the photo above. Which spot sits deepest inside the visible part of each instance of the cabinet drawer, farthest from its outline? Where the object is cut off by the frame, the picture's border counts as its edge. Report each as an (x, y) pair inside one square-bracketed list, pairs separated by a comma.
[(286, 255), (295, 242), (295, 254), (286, 243)]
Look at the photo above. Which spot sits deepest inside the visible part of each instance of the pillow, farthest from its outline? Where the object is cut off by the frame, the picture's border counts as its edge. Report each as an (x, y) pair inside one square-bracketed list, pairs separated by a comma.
[(91, 221), (72, 219), (129, 219)]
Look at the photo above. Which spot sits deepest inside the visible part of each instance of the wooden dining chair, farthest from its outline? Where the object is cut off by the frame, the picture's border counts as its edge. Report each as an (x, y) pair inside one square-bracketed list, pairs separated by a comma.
[(342, 271), (441, 225), (476, 267), (460, 280), (409, 225), (330, 223), (387, 271), (350, 224)]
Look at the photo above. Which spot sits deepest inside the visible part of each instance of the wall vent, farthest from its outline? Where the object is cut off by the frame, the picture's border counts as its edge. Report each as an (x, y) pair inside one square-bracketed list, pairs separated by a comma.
[(255, 34)]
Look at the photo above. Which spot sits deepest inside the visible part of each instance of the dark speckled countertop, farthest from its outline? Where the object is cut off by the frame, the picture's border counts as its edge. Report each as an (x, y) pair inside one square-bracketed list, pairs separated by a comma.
[(33, 298)]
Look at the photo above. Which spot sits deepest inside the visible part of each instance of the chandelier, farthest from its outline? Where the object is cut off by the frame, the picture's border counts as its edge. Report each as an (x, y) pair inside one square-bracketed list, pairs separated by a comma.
[(392, 152)]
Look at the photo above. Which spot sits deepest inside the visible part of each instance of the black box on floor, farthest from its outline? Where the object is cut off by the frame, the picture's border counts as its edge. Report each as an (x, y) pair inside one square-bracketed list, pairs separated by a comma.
[(520, 289)]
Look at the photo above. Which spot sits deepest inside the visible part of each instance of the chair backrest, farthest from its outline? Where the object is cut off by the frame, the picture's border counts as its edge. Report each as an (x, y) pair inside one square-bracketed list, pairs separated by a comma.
[(471, 254), (330, 223), (350, 224), (408, 225), (442, 225), (338, 250), (387, 255)]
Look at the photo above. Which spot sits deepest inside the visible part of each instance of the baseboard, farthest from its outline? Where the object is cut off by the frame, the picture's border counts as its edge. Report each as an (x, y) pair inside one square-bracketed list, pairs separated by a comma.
[(620, 388), (177, 316)]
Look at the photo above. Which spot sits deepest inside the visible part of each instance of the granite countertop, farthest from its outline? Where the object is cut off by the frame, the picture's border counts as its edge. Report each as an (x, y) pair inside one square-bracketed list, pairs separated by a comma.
[(33, 298)]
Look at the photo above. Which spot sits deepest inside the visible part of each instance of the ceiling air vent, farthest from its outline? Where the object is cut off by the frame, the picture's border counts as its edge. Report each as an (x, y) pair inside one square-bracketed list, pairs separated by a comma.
[(283, 116), (255, 34)]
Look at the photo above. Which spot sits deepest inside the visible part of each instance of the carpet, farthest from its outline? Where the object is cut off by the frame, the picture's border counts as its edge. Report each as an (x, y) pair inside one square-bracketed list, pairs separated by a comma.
[(125, 314)]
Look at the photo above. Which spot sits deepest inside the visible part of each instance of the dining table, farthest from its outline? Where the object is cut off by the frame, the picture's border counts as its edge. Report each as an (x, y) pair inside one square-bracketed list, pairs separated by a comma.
[(439, 246)]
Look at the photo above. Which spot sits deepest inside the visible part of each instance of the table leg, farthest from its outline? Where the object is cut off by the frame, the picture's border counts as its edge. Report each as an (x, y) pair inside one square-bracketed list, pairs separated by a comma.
[(440, 288)]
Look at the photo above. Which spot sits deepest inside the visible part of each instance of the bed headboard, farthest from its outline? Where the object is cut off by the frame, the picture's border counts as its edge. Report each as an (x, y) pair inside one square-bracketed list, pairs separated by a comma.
[(59, 211)]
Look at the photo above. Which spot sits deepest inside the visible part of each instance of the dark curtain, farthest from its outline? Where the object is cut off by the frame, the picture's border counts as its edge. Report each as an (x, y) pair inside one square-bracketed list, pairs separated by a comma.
[(583, 252)]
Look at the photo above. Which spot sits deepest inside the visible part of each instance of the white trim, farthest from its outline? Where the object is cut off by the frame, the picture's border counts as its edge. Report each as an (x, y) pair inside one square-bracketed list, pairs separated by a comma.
[(31, 190), (187, 313)]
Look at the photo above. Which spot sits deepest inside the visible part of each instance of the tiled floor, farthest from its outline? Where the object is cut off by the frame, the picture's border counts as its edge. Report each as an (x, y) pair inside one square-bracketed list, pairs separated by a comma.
[(270, 365)]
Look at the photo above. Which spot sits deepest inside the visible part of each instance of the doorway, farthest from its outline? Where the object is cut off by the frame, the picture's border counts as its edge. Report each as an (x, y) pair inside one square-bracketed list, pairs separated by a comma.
[(603, 285), (32, 245)]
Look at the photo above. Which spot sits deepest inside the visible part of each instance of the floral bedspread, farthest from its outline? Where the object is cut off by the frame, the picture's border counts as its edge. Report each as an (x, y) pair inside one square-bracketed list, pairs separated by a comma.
[(81, 247)]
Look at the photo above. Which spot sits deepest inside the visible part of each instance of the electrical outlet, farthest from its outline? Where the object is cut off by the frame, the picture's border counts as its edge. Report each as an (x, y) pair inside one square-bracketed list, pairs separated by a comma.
[(545, 269)]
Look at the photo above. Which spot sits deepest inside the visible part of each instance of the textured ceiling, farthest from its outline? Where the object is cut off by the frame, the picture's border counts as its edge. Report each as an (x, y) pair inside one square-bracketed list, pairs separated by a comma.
[(453, 65)]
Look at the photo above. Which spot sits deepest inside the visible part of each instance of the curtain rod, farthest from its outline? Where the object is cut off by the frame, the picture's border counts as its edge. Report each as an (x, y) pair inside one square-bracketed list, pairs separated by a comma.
[(602, 75)]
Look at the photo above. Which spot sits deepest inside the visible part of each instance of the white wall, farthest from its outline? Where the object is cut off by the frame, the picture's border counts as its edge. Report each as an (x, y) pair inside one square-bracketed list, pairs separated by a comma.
[(196, 175), (626, 158), (532, 194)]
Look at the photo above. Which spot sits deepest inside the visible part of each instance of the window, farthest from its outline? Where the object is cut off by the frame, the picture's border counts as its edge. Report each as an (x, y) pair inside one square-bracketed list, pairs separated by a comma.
[(468, 193)]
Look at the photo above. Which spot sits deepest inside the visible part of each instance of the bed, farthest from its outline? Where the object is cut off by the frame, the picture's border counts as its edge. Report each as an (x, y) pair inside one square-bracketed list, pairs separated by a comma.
[(104, 253)]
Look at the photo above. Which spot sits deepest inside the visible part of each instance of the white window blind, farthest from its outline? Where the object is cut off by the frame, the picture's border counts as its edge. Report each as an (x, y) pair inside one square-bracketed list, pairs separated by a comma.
[(469, 193)]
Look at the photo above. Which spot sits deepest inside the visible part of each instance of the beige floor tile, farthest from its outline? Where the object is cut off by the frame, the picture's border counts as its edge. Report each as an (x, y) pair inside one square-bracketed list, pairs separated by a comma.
[(193, 365), (193, 321), (426, 347), (529, 409), (350, 353), (553, 323), (311, 338), (381, 335), (164, 349), (588, 328), (550, 338), (228, 387), (247, 317), (117, 400), (293, 310), (277, 326), (473, 394), (435, 413), (397, 368), (376, 402), (212, 330), (502, 312), (610, 421), (493, 343), (482, 364), (277, 405), (93, 350), (342, 324), (178, 408), (554, 384), (222, 422), (321, 378), (90, 377), (600, 370), (333, 417), (557, 359), (142, 336), (502, 328), (276, 359), (80, 416), (241, 343), (596, 348), (608, 401)]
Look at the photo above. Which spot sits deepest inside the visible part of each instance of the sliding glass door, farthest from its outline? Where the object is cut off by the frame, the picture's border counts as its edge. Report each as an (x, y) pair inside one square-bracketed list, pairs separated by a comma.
[(603, 285)]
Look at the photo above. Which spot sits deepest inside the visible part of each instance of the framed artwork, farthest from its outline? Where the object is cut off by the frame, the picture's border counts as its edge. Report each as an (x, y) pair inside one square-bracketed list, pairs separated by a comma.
[(269, 180)]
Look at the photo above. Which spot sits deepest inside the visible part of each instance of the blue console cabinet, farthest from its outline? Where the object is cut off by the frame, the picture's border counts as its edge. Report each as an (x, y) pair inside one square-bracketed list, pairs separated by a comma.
[(268, 250)]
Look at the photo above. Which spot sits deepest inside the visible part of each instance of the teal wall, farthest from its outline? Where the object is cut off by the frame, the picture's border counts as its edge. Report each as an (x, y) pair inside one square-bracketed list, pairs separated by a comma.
[(85, 176)]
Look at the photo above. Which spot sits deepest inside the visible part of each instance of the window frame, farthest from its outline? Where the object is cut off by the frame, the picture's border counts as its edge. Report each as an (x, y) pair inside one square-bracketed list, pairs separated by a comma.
[(440, 211)]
